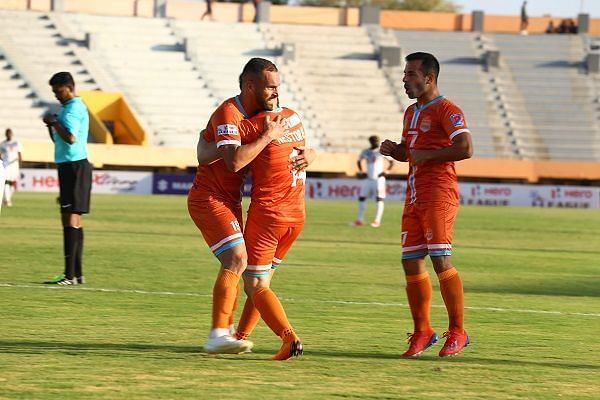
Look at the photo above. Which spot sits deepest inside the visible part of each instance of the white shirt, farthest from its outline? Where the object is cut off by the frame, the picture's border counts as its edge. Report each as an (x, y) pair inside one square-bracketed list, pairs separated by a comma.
[(10, 152), (374, 162)]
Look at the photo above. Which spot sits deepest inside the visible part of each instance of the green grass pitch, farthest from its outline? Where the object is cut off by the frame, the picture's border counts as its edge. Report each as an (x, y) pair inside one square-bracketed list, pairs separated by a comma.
[(531, 276)]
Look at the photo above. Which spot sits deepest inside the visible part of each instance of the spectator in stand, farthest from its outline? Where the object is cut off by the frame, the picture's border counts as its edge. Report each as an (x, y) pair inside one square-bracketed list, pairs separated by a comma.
[(524, 19), (208, 12), (550, 28), (571, 26)]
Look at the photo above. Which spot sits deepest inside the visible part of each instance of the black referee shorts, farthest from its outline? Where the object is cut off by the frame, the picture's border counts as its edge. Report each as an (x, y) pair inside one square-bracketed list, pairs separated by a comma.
[(75, 180)]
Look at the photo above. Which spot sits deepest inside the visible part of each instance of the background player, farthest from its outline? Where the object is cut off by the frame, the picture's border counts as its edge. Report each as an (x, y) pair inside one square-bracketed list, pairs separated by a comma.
[(10, 153), (435, 135), (373, 184), (214, 201)]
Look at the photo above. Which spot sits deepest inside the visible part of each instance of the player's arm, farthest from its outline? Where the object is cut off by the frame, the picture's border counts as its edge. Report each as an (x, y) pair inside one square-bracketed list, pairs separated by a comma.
[(52, 122), (461, 149), (359, 164), (390, 164), (206, 151), (395, 150), (237, 156)]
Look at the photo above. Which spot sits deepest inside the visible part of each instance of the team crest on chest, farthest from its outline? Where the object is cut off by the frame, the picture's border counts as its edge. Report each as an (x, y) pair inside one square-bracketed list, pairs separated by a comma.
[(425, 124)]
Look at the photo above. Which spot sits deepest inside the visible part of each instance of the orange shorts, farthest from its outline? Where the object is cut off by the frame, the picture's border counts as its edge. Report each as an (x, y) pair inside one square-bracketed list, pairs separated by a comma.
[(267, 245), (221, 224), (427, 229)]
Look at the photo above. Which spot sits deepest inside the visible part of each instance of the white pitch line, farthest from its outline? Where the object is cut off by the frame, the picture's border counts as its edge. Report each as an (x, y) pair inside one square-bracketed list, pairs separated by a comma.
[(342, 302)]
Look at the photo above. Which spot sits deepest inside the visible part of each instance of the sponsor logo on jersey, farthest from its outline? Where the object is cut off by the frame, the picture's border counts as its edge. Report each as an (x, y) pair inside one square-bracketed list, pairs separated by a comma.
[(425, 124), (227, 130), (292, 120), (457, 120)]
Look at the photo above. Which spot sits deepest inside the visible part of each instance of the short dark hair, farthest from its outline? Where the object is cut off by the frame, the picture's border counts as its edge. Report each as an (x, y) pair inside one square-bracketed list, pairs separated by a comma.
[(255, 67), (62, 79), (429, 64)]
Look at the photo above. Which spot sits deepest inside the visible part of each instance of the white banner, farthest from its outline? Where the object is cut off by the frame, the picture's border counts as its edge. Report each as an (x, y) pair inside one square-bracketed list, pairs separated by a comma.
[(349, 189), (492, 194), (46, 180)]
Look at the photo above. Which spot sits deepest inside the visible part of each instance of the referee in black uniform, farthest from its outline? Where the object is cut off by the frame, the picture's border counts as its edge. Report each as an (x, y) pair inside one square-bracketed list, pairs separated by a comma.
[(69, 131)]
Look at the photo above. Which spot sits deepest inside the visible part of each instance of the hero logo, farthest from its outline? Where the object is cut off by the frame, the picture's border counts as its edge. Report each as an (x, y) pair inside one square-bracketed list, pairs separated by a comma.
[(457, 120), (579, 194), (227, 130), (498, 191)]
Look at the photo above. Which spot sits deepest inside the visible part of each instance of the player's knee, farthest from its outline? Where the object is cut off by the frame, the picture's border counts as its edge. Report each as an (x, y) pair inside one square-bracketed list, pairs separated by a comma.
[(414, 266), (253, 283), (239, 261), (236, 261), (441, 263)]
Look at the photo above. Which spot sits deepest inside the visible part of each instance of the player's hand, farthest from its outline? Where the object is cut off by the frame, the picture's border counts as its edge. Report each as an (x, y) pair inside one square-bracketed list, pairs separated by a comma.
[(388, 147), (49, 119), (304, 158), (276, 128), (418, 157)]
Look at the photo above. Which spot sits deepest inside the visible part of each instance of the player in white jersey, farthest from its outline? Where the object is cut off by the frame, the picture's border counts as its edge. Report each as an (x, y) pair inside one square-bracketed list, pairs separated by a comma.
[(1, 183), (10, 152), (373, 181)]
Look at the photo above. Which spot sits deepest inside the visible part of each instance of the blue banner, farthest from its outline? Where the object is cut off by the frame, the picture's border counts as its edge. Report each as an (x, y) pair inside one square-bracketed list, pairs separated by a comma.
[(172, 183)]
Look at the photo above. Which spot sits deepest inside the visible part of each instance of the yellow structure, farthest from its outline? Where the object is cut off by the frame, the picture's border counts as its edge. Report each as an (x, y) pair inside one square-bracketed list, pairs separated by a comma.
[(109, 109)]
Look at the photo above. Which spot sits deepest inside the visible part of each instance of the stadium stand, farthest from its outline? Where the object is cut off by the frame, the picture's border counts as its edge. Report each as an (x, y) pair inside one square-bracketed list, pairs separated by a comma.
[(338, 84), (174, 72), (148, 64), (551, 106), (29, 59)]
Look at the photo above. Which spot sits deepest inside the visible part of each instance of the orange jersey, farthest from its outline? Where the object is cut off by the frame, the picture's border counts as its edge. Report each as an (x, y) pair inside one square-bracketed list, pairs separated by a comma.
[(277, 192), (215, 180), (432, 126)]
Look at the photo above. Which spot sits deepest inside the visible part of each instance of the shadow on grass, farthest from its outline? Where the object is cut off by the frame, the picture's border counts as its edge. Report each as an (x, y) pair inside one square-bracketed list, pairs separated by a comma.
[(44, 347), (463, 359), (34, 347)]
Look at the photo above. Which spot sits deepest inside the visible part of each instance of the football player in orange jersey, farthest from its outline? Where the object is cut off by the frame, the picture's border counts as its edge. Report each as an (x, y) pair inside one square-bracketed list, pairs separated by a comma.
[(275, 219), (214, 201), (435, 135)]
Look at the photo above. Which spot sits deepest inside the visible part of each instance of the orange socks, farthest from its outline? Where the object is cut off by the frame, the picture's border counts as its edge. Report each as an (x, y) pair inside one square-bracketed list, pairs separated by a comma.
[(235, 306), (224, 297), (453, 295), (248, 320), (418, 290), (272, 312)]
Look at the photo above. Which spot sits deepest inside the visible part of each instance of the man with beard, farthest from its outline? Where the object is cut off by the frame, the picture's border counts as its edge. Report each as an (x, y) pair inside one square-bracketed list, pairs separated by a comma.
[(214, 201), (435, 135)]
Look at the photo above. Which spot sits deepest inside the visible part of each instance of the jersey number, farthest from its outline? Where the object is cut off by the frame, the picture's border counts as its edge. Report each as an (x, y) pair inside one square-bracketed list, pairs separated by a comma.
[(413, 139), (236, 226)]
